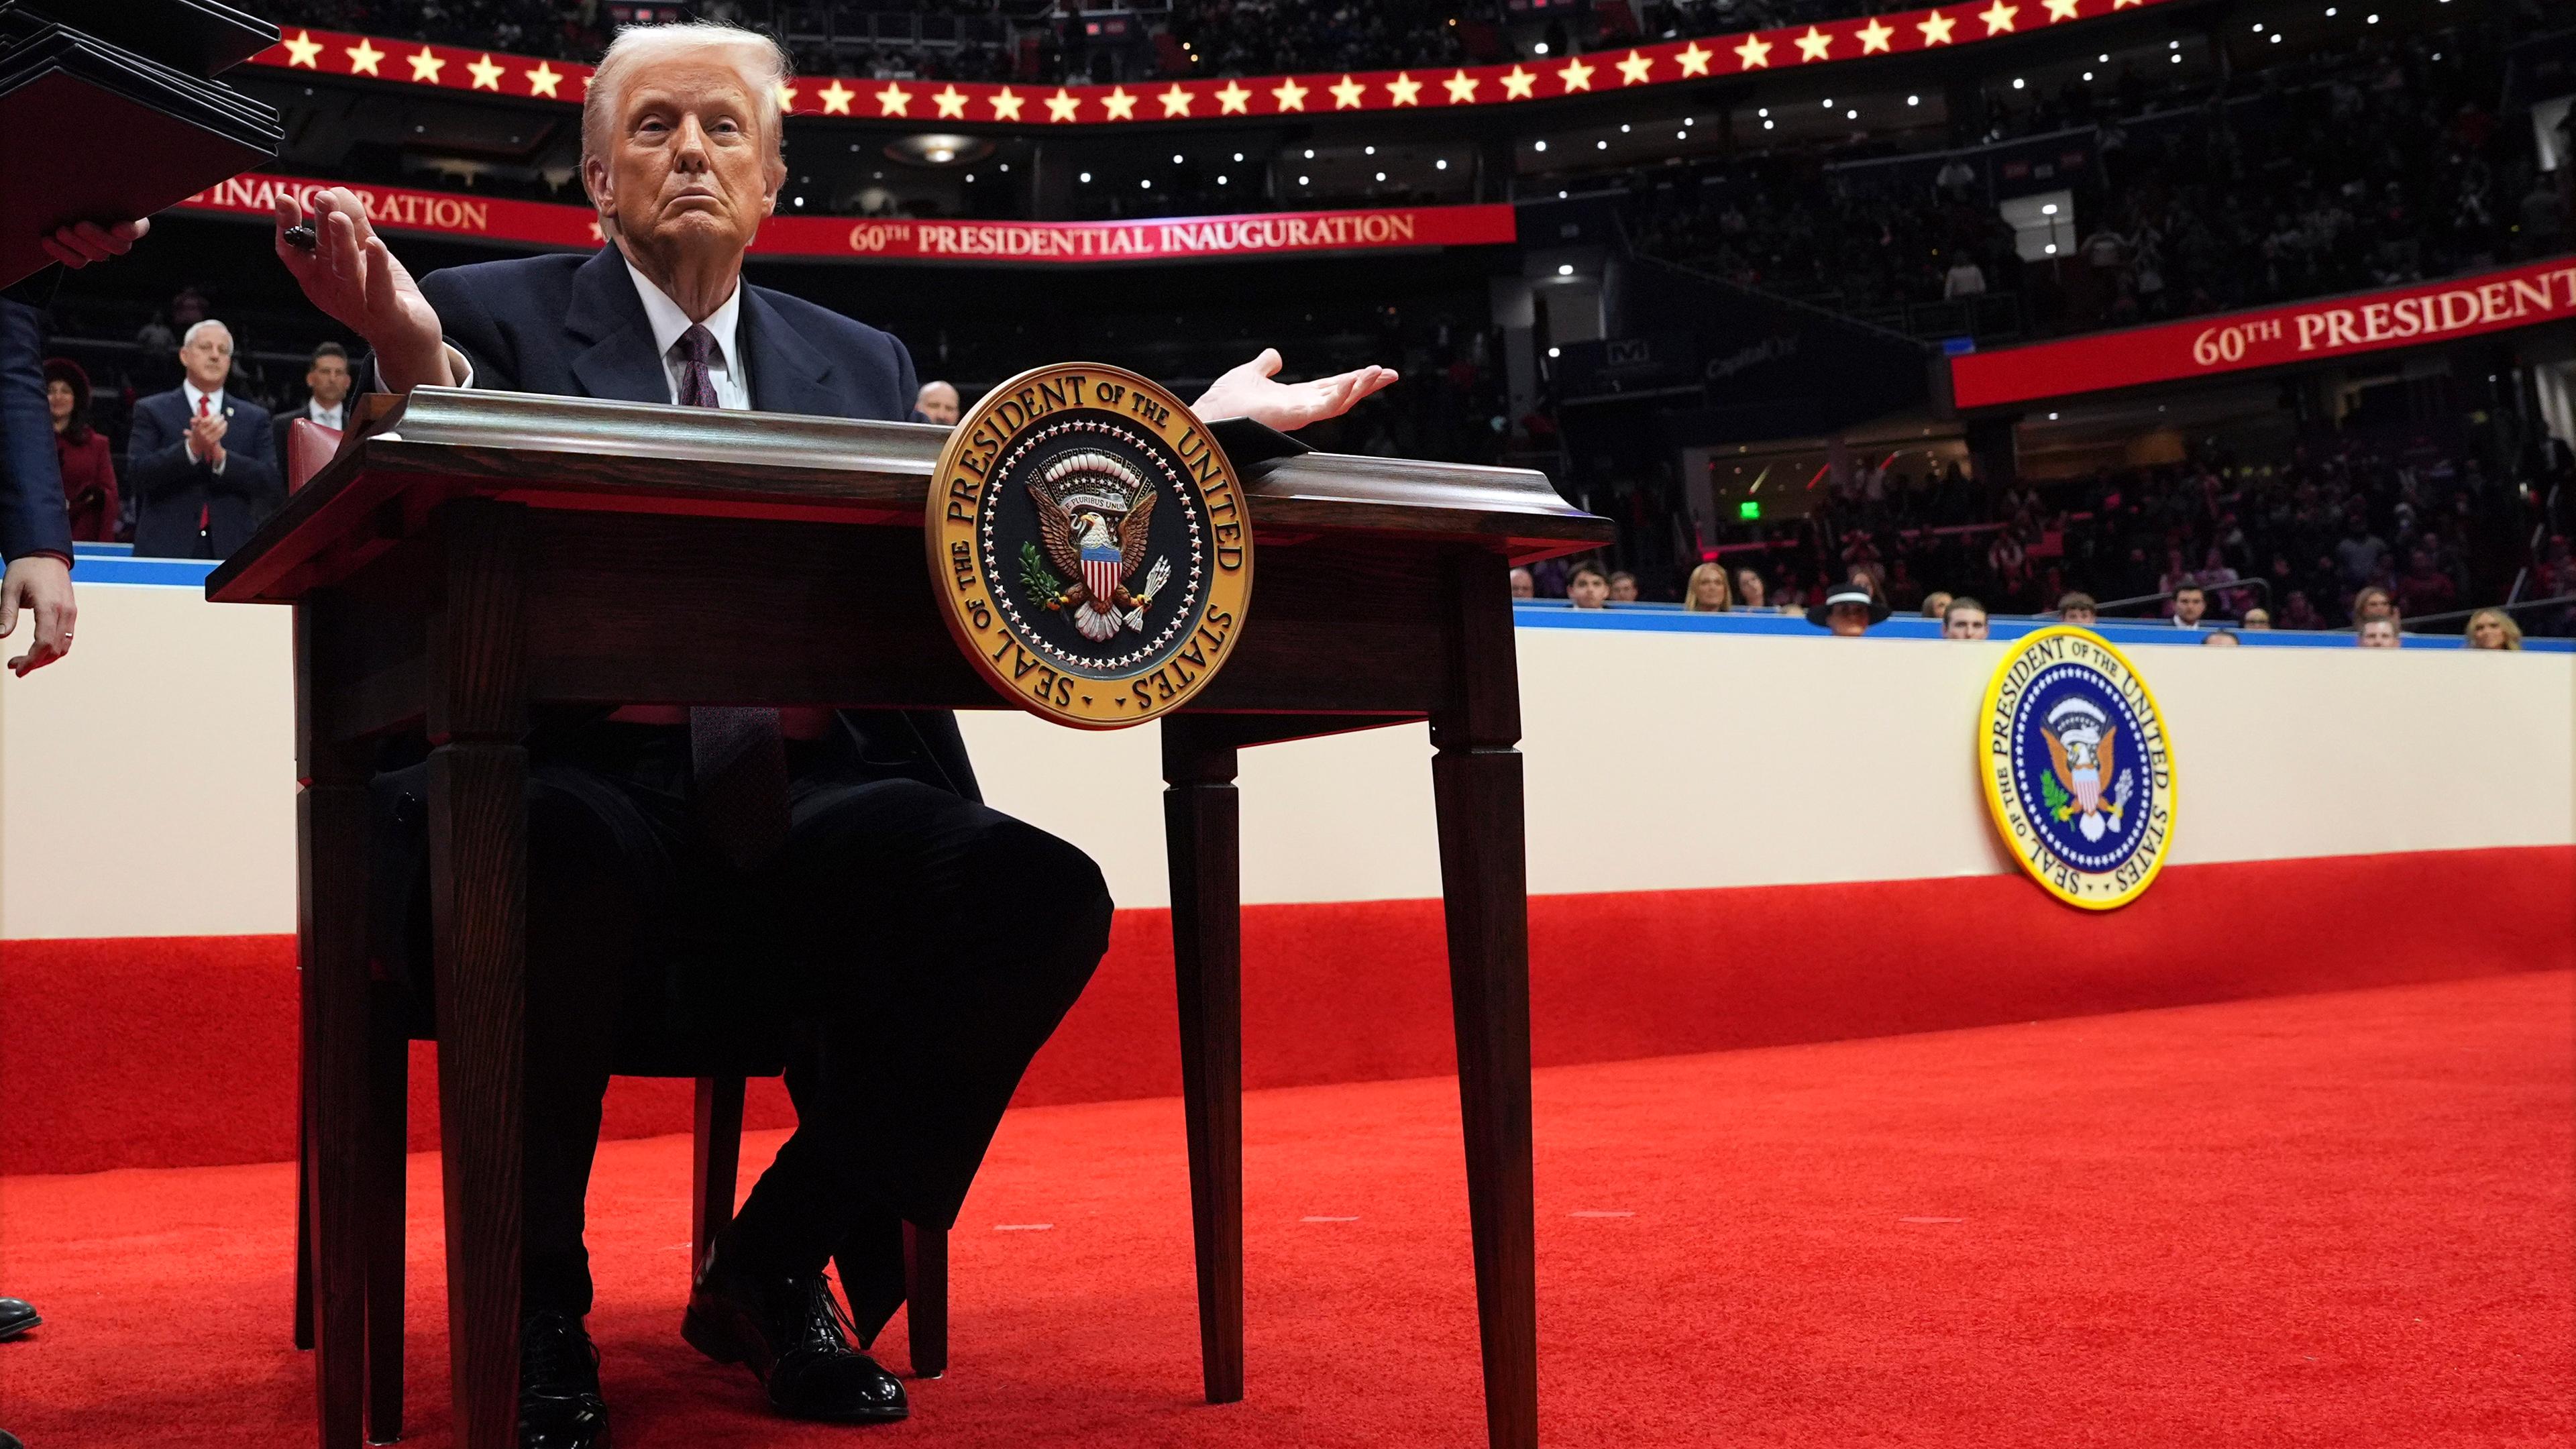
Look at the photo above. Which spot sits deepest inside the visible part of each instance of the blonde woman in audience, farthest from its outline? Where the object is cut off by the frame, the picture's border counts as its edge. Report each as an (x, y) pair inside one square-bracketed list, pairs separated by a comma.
[(1707, 592), (2493, 629)]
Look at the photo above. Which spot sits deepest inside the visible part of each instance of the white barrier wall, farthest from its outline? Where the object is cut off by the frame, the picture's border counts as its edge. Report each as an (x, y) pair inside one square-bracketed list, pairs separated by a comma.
[(146, 783)]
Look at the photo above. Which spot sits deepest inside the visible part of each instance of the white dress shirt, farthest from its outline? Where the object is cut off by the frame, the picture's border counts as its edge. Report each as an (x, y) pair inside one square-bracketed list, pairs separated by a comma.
[(327, 417), (733, 382), (208, 402)]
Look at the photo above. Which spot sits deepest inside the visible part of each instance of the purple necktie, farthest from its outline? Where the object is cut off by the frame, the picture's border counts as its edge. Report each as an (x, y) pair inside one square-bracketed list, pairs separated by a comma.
[(737, 755)]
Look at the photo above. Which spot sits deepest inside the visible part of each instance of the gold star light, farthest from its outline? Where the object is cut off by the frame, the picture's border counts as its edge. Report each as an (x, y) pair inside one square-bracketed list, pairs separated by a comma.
[(1234, 100), (894, 100), (1999, 17), (1874, 37), (1006, 106), (1520, 85), (1290, 95), (1346, 96), (1176, 102), (363, 57), (786, 96), (543, 80), (2062, 10), (1936, 29), (1754, 53), (487, 76), (1461, 88), (2125, 4), (1635, 70), (1576, 76), (1403, 89), (302, 49), (1814, 45), (951, 103), (837, 98), (1120, 105), (1063, 105), (425, 66)]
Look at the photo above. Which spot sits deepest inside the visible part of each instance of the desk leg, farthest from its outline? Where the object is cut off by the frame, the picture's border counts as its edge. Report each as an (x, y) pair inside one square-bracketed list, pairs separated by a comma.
[(1476, 777), (331, 821), (478, 870), (1202, 834)]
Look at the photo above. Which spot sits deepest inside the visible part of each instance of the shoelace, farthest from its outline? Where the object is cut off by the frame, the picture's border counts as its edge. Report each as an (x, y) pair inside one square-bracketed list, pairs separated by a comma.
[(827, 1324), (548, 1355)]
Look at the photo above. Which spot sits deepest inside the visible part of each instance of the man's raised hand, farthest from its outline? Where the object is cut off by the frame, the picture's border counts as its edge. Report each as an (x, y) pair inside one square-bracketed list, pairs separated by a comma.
[(1254, 391), (352, 276)]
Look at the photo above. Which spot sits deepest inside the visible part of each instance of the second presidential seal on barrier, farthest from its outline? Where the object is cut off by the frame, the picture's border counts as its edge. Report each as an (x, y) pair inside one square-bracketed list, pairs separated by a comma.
[(2078, 767), (1089, 545)]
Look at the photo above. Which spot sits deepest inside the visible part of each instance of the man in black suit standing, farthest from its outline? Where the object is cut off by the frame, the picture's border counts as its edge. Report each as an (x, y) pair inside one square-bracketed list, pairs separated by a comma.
[(836, 873), (35, 527), (202, 463)]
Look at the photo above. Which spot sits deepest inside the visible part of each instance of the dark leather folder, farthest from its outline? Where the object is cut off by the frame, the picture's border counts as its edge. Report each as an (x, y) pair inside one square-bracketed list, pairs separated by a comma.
[(91, 131)]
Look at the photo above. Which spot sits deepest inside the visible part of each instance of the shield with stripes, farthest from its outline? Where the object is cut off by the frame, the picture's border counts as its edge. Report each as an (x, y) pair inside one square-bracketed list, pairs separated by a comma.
[(1102, 565)]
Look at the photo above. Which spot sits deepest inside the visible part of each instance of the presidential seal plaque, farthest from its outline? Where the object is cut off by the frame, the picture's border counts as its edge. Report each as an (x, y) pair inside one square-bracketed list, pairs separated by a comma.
[(2078, 767), (1088, 541)]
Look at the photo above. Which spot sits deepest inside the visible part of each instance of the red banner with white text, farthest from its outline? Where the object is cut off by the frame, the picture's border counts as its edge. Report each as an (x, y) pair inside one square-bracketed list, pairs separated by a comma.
[(548, 224), (2409, 316)]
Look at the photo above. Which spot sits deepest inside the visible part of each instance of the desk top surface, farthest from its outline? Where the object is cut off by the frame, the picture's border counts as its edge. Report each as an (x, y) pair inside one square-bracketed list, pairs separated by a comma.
[(582, 454)]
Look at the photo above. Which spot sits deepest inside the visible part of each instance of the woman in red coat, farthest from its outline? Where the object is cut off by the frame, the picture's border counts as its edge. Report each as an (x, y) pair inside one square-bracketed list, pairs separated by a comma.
[(89, 473)]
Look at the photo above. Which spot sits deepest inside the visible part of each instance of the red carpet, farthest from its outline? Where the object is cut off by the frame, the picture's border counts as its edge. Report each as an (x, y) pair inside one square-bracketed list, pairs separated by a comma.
[(180, 1052), (2323, 1220)]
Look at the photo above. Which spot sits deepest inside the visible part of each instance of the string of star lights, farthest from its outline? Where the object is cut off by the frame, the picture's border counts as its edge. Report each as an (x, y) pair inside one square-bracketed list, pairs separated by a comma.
[(1143, 103)]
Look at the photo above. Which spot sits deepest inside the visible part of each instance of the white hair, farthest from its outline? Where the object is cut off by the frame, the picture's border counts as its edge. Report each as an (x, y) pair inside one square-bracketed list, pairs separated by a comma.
[(192, 332), (761, 61)]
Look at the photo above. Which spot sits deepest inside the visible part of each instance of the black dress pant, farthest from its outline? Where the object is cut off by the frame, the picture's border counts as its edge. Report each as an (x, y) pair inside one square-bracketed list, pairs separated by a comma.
[(905, 955)]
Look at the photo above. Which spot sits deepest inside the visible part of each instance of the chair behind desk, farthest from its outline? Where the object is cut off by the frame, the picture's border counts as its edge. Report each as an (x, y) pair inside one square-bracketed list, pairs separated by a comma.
[(309, 446)]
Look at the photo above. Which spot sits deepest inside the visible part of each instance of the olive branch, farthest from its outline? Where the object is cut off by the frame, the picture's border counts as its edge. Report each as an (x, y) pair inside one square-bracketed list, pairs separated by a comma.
[(2060, 804), (1045, 589)]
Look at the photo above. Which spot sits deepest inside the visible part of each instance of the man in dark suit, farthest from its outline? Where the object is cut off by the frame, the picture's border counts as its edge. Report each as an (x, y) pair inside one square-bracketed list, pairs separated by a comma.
[(730, 871), (35, 527), (35, 532), (326, 398), (202, 464)]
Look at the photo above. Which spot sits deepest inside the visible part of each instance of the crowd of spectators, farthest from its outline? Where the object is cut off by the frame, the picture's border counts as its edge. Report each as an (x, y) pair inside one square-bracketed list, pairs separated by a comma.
[(2327, 537), (2383, 166)]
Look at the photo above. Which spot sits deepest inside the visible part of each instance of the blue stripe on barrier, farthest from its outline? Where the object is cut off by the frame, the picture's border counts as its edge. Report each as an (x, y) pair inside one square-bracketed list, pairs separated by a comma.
[(1673, 619), (169, 573)]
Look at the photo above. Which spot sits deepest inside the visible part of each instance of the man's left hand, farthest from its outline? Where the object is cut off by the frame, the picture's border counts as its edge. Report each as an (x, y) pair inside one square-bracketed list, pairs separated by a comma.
[(78, 246), (41, 584), (1254, 391)]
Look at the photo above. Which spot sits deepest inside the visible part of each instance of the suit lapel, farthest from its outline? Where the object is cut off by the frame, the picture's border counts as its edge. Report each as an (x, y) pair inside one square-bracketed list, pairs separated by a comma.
[(620, 362), (787, 374)]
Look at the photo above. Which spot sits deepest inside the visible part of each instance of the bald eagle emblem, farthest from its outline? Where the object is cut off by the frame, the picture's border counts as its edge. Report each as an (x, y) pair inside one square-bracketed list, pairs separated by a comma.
[(1095, 515), (2082, 754)]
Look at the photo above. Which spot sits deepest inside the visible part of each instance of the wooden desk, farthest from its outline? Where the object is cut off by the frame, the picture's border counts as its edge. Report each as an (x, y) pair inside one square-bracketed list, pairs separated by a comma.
[(480, 553)]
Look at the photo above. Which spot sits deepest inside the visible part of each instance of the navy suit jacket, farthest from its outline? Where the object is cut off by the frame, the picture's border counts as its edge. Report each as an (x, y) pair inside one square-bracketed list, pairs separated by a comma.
[(574, 326), (170, 491), (32, 519)]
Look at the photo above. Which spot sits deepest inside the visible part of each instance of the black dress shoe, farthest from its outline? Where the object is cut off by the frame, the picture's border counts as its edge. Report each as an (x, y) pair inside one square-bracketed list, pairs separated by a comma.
[(795, 1335), (17, 1316), (559, 1402)]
